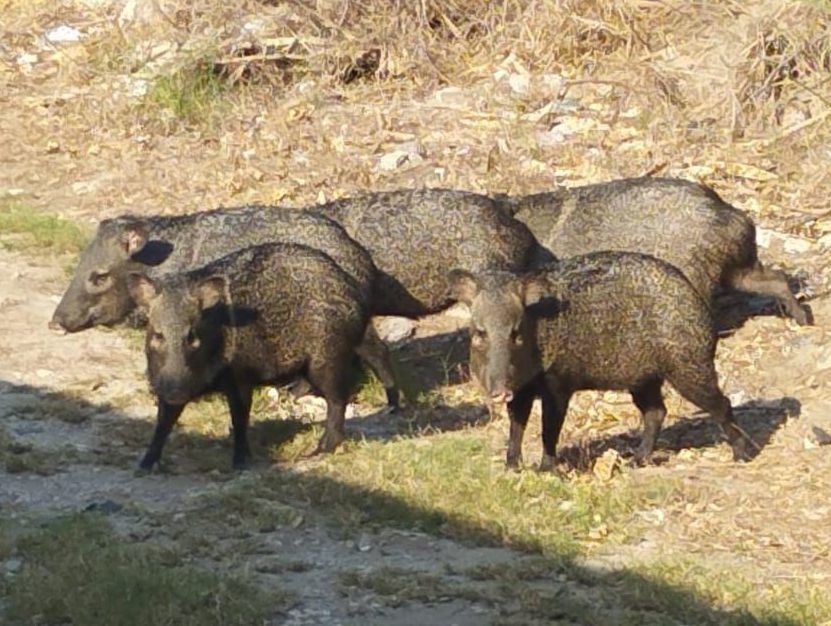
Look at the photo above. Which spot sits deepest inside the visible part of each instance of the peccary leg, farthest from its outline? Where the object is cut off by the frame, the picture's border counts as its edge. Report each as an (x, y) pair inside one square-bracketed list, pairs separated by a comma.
[(375, 353), (650, 402), (761, 279), (166, 417), (699, 384), (554, 407), (519, 408), (239, 399), (328, 377)]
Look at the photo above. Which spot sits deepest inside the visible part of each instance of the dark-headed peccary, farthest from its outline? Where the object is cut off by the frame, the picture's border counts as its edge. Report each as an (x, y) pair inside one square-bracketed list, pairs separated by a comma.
[(261, 315), (98, 292), (684, 223), (607, 320), (416, 236)]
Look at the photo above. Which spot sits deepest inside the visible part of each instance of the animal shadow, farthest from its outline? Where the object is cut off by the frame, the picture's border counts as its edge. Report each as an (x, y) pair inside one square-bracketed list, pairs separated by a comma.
[(759, 419), (425, 364)]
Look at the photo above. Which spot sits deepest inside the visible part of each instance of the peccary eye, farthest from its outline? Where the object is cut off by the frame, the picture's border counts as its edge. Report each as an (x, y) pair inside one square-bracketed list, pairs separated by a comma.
[(156, 339), (480, 336), (98, 279), (192, 339)]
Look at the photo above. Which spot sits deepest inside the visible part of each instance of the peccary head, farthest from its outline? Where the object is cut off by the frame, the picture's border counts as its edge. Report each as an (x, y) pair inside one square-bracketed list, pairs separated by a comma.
[(503, 352), (98, 292), (184, 342)]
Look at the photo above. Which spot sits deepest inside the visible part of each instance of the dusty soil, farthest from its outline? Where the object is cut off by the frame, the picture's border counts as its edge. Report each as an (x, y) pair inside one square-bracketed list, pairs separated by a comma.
[(77, 406)]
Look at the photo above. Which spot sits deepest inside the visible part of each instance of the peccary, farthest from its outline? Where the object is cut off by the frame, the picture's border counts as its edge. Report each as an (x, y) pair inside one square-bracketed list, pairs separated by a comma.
[(681, 222), (98, 292), (606, 320), (261, 315), (415, 236)]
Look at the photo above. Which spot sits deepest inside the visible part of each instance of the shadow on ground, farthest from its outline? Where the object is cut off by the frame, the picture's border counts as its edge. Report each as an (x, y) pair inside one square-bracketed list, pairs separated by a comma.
[(574, 592), (759, 419)]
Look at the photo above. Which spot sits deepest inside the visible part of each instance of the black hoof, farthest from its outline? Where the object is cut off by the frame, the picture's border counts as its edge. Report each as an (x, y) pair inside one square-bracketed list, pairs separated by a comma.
[(548, 464), (742, 452), (804, 316), (329, 442), (513, 461), (242, 465), (393, 400)]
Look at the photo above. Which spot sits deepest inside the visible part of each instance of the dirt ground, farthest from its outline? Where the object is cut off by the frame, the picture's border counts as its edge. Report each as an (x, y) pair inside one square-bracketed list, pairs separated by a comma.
[(77, 406)]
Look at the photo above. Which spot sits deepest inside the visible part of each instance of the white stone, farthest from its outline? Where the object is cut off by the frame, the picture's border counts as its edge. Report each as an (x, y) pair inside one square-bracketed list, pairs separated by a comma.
[(392, 329), (63, 34), (519, 83)]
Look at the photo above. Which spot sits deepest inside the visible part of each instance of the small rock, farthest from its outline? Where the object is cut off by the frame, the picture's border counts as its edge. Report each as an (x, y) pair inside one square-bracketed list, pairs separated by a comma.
[(137, 87), (27, 58), (63, 34), (107, 507), (820, 436), (519, 83), (363, 544), (393, 329), (12, 566), (397, 158), (459, 311), (606, 465), (178, 517), (791, 244), (451, 96)]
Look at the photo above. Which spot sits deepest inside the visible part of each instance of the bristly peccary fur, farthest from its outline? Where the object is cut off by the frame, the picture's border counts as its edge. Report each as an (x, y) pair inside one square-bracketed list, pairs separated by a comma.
[(607, 320), (98, 292), (416, 236), (684, 223), (261, 315)]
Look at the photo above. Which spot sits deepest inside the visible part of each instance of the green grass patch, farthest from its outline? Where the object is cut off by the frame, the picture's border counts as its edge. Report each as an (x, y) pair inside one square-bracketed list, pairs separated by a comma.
[(75, 570), (787, 603), (457, 485), (26, 229), (188, 94)]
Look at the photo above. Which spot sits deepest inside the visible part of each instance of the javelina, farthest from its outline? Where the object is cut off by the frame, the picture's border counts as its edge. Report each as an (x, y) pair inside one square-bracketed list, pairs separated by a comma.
[(261, 315), (98, 292), (416, 236), (681, 222), (607, 320)]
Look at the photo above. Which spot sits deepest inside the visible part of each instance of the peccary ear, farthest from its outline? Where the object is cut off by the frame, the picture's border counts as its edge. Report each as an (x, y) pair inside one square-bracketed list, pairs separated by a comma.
[(533, 290), (142, 289), (133, 237), (211, 291), (463, 286)]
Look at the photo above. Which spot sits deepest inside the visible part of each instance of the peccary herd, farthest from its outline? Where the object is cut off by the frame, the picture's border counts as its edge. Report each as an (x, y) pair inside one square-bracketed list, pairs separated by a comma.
[(608, 286)]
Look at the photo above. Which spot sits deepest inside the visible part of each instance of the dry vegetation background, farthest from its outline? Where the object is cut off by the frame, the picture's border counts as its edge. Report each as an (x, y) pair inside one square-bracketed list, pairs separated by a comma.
[(166, 106)]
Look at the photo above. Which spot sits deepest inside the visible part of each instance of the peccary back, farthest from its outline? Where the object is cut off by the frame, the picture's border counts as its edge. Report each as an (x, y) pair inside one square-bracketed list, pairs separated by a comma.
[(98, 294), (681, 222), (606, 320), (261, 315), (416, 236)]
